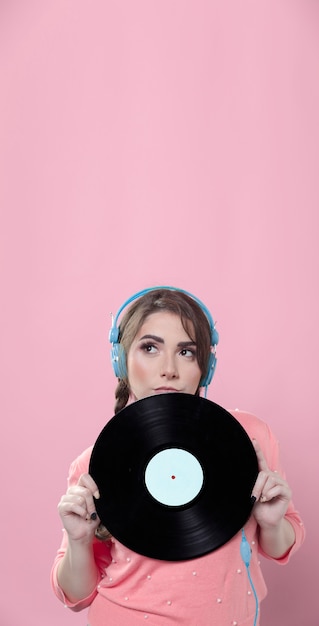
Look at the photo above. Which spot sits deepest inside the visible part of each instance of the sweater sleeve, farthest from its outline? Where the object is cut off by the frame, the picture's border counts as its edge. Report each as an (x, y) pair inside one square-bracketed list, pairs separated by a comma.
[(258, 429), (101, 549), (292, 515)]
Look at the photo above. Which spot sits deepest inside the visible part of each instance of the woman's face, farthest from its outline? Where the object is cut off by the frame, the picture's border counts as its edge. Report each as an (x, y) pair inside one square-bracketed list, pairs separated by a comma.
[(162, 358)]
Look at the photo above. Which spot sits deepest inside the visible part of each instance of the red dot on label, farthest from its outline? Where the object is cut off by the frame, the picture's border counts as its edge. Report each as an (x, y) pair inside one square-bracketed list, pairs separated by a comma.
[(173, 477)]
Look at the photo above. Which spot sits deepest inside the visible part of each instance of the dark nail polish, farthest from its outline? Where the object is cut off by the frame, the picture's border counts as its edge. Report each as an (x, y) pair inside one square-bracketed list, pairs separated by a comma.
[(93, 516), (252, 500)]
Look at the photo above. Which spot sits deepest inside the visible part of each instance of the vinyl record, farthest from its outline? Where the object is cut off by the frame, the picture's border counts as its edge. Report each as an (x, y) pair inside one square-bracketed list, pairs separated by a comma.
[(175, 474)]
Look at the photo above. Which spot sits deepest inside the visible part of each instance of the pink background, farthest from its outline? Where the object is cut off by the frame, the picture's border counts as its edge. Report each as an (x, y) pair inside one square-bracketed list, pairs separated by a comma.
[(144, 143)]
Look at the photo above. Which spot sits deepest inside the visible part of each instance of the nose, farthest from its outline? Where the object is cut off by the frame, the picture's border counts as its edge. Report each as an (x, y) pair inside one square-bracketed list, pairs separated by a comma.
[(169, 367)]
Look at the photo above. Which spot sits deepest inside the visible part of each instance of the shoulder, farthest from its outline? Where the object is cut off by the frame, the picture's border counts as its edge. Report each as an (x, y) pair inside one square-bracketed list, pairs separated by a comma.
[(257, 428), (80, 465), (254, 426)]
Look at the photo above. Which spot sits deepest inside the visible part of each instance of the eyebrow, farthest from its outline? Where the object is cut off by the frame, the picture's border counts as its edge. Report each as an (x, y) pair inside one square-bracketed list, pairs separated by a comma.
[(181, 344)]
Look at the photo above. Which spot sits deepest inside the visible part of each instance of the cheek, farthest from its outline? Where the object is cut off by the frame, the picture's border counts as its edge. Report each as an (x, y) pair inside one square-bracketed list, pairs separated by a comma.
[(196, 381), (195, 377), (137, 367)]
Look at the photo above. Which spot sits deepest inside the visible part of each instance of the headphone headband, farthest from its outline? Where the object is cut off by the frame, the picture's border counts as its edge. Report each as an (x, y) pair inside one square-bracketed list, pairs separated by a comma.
[(117, 356)]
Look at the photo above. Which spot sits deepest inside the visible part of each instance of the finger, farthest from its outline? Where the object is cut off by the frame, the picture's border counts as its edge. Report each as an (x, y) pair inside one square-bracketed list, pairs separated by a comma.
[(274, 489), (72, 507), (83, 495), (95, 518), (269, 486), (76, 505), (271, 489), (262, 463), (259, 485), (270, 494), (87, 481)]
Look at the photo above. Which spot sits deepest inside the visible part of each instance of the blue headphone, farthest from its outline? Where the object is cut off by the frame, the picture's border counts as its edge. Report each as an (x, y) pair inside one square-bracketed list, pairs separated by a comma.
[(117, 352)]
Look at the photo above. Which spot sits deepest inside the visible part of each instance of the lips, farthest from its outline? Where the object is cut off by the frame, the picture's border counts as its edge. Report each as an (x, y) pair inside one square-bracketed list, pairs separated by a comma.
[(166, 390)]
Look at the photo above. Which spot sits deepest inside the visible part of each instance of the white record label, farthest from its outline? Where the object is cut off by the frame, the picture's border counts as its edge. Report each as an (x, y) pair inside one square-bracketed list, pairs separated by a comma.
[(174, 477)]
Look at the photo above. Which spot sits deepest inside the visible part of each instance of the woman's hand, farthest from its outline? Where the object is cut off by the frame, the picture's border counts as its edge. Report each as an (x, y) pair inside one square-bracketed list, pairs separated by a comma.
[(272, 493), (77, 510)]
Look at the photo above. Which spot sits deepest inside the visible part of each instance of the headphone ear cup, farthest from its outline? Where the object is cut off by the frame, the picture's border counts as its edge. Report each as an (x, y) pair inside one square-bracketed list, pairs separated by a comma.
[(210, 371), (215, 337), (118, 360), (114, 359)]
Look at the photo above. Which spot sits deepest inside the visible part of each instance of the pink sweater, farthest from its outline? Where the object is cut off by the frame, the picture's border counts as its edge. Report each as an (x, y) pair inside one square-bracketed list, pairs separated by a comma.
[(213, 589)]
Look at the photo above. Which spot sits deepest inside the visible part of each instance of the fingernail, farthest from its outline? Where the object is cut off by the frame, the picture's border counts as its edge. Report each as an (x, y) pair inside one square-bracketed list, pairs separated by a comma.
[(253, 500), (93, 515), (96, 495)]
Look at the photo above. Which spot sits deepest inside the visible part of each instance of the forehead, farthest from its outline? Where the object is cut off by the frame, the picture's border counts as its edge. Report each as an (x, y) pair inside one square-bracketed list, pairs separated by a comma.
[(165, 322)]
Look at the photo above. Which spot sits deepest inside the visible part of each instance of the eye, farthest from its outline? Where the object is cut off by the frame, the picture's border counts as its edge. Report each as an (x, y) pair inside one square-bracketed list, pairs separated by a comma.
[(148, 347), (188, 352)]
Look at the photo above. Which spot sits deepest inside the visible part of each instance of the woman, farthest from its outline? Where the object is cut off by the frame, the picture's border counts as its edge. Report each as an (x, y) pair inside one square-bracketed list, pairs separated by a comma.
[(166, 343)]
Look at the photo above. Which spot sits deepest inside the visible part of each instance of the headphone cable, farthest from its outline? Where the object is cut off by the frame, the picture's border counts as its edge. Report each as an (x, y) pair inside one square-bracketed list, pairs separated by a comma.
[(245, 552)]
